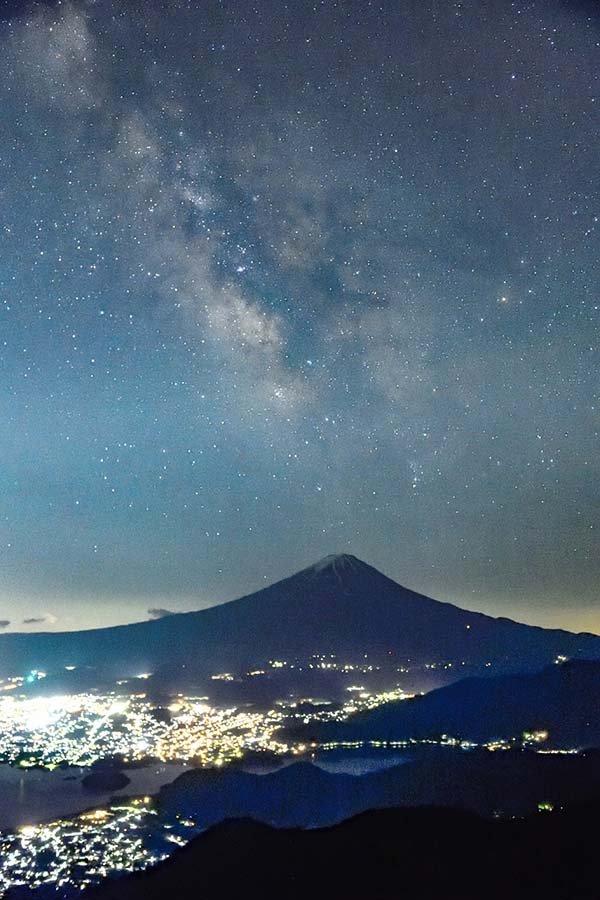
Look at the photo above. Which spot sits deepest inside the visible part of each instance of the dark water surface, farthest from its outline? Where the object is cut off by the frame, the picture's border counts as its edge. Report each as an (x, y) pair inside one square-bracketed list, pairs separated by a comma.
[(29, 796)]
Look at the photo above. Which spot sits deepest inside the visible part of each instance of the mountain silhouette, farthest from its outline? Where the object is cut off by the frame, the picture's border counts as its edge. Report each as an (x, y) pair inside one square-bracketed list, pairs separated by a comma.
[(303, 795), (338, 606), (419, 853), (562, 700)]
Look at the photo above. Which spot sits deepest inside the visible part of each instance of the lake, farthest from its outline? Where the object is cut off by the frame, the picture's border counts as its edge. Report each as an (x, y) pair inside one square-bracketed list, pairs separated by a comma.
[(29, 796)]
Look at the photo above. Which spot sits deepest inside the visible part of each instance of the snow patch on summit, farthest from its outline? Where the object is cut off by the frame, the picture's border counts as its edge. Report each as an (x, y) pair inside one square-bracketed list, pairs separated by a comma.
[(339, 562)]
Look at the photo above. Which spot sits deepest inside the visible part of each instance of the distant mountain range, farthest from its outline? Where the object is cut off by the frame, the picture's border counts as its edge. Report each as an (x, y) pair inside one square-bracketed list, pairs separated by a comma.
[(418, 853), (339, 606), (563, 700)]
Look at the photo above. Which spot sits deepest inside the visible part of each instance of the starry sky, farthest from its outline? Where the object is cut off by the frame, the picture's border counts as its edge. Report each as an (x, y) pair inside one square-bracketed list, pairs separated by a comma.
[(281, 279)]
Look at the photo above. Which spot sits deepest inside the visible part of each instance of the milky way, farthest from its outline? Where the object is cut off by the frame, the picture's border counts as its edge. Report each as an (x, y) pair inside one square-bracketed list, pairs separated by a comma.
[(283, 279)]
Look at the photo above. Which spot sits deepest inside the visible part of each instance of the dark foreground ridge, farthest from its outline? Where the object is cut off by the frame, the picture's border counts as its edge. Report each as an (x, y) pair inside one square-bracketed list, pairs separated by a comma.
[(340, 605), (421, 854)]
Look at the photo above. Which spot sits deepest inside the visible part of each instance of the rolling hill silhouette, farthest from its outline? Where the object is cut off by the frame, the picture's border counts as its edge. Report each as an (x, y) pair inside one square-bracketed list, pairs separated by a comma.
[(563, 700), (303, 795)]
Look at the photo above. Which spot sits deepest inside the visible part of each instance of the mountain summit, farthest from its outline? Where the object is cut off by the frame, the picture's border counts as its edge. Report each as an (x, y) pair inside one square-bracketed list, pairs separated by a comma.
[(341, 563), (340, 606)]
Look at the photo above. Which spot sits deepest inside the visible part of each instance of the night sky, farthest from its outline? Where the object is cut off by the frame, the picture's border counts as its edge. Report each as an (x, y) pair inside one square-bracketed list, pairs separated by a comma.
[(282, 279)]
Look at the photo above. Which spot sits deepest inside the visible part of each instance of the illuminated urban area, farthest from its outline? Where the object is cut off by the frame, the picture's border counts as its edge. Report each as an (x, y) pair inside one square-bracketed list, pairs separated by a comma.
[(86, 728), (74, 853), (80, 729)]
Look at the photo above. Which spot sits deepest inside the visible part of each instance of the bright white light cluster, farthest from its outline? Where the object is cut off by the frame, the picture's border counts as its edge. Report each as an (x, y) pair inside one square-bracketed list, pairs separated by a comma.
[(84, 850), (80, 729)]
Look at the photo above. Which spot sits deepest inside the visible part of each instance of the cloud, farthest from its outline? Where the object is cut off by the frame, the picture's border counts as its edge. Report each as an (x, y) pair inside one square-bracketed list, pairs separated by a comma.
[(159, 613), (48, 618), (4, 623)]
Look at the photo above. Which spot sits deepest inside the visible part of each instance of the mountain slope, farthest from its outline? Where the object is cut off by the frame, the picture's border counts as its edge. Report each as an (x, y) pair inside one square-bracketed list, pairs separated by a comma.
[(562, 699), (341, 605), (413, 853)]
